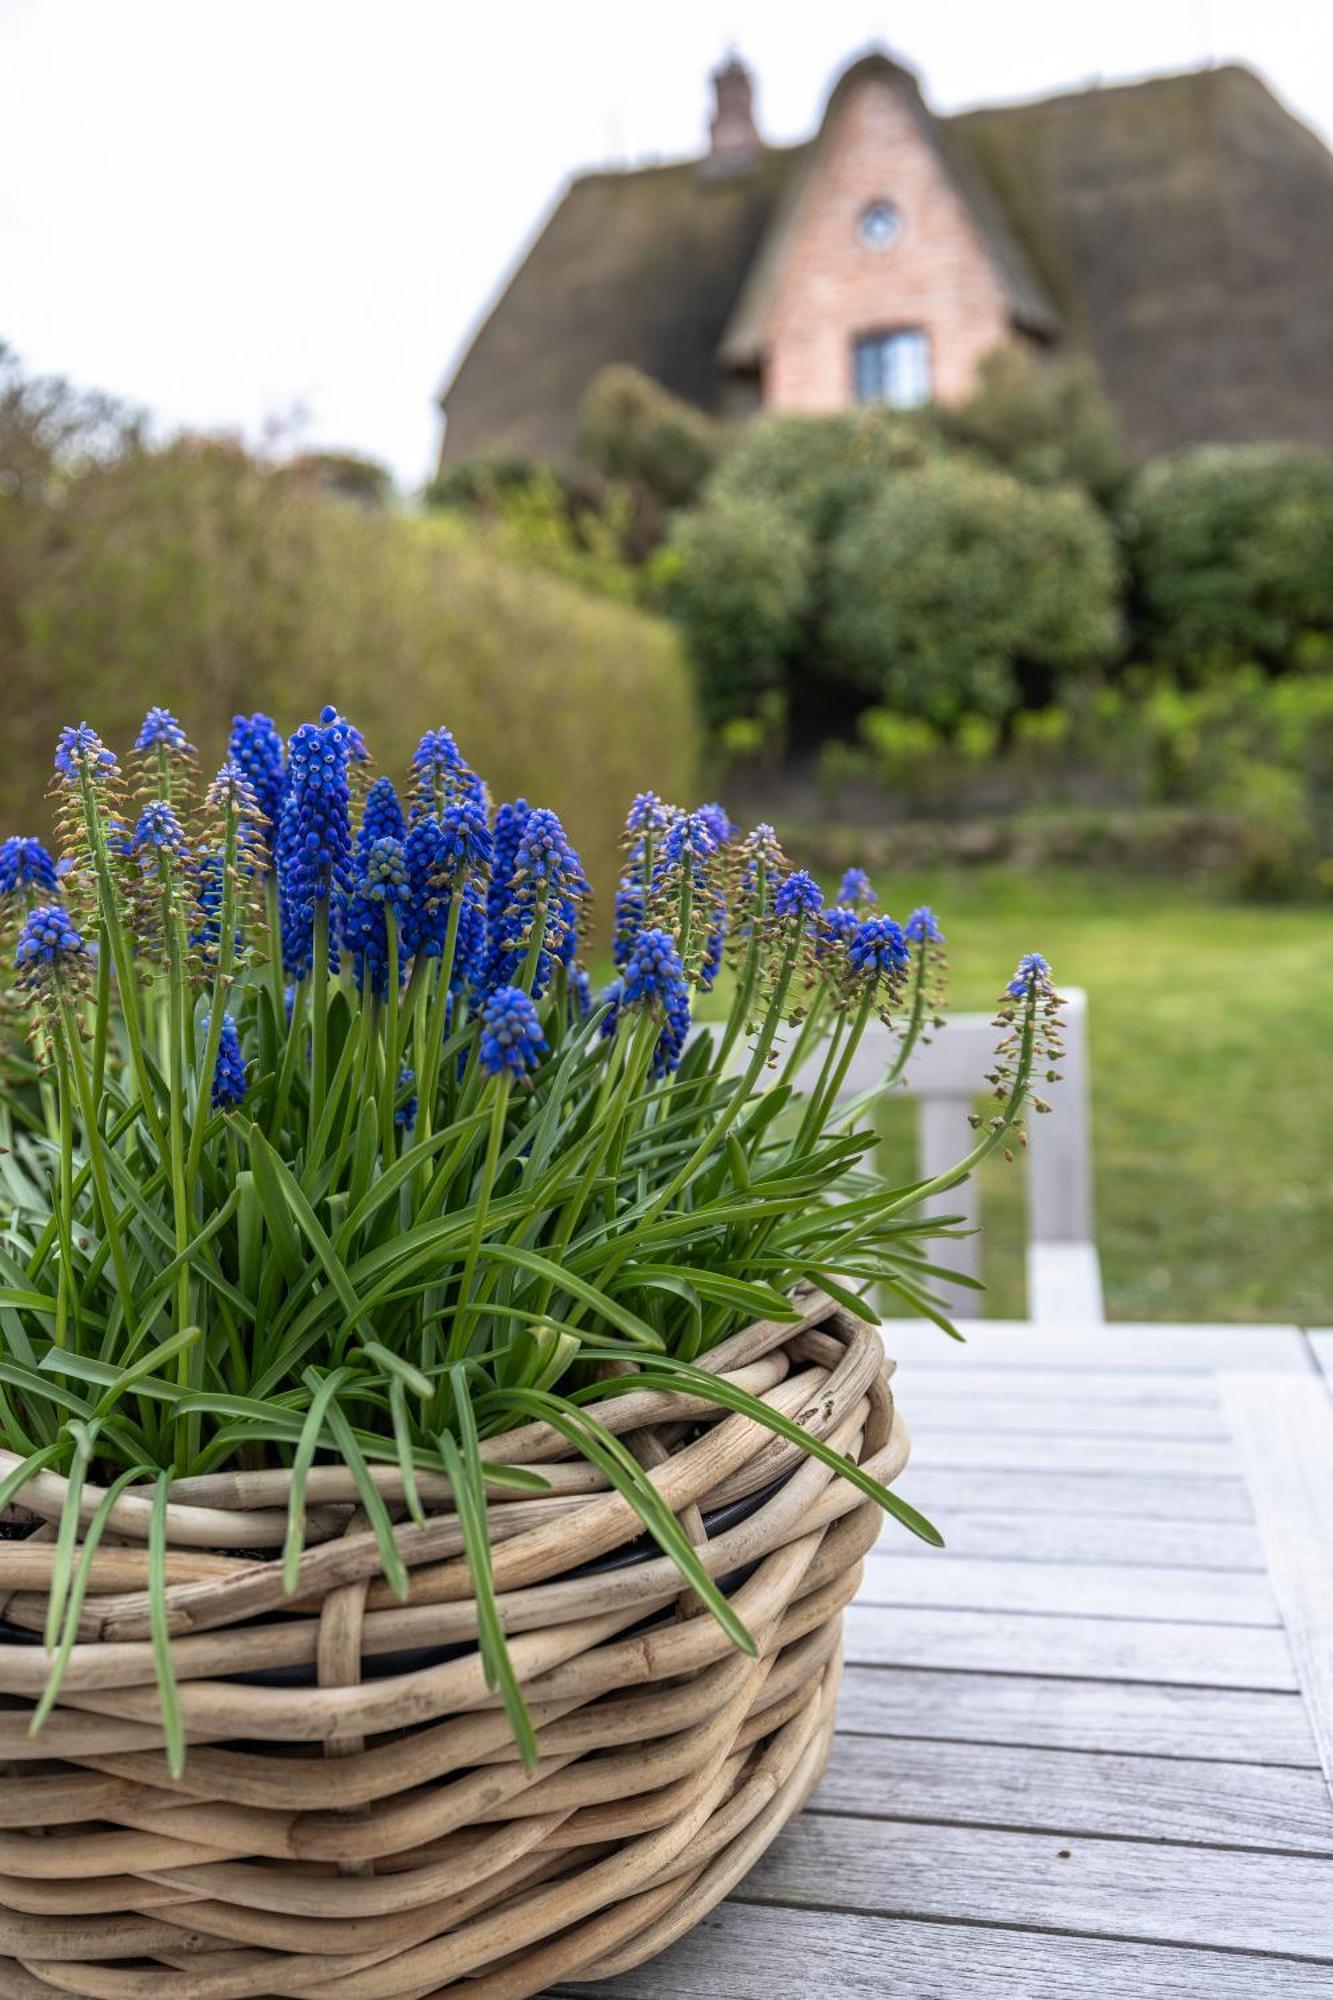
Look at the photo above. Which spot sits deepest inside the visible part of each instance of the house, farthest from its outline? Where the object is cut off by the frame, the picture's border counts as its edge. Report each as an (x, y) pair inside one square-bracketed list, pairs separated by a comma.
[(1180, 230)]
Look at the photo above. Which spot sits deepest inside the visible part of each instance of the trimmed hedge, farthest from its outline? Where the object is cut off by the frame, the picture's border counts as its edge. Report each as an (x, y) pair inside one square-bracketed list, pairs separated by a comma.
[(191, 576)]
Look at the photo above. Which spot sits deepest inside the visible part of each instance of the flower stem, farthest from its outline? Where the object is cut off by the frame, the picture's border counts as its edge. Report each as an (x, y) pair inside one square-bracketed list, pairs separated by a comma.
[(319, 1027), (464, 1311)]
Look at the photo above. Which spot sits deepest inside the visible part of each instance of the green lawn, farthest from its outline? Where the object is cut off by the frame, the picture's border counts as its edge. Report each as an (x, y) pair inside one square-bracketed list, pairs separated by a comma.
[(1212, 1082)]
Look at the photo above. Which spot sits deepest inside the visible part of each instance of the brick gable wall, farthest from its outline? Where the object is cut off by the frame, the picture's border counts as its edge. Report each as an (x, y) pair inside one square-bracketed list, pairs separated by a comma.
[(833, 287)]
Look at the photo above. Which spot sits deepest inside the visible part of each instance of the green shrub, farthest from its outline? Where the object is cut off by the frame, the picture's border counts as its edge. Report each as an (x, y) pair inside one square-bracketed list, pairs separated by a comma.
[(195, 574), (631, 428), (529, 514), (959, 588), (480, 485), (736, 577), (1048, 422), (1231, 552), (821, 471), (345, 475)]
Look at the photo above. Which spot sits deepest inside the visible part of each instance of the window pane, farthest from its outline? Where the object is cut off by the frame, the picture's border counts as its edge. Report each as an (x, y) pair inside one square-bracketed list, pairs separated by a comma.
[(893, 368), (907, 370), (869, 371)]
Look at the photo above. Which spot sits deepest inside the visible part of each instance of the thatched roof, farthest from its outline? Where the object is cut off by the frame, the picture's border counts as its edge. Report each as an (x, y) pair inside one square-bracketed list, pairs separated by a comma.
[(1184, 227), (1180, 228)]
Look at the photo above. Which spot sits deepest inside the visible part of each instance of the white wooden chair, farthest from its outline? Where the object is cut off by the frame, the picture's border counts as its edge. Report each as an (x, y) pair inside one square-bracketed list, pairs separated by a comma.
[(946, 1077)]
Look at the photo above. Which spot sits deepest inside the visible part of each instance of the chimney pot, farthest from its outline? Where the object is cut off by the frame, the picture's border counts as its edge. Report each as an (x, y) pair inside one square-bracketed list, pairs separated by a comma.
[(733, 136)]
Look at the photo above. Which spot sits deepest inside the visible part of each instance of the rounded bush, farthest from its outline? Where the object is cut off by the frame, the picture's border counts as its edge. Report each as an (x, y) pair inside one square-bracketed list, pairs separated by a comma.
[(736, 577), (1231, 551), (959, 588), (1048, 422), (631, 428), (820, 471)]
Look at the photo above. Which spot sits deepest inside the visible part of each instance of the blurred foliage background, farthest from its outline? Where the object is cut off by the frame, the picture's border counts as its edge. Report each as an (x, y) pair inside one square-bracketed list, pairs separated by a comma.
[(199, 576)]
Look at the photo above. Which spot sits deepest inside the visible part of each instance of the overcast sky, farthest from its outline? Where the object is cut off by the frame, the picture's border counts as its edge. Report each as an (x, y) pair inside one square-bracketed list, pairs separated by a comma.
[(278, 210)]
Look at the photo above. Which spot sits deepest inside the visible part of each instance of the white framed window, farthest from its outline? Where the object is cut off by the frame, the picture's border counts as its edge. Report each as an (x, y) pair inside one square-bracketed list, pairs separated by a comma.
[(893, 368)]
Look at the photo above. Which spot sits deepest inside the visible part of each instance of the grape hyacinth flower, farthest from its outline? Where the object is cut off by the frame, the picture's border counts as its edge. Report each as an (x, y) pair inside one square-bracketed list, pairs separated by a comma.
[(878, 950), (511, 1039), (466, 841), (26, 869), (229, 1084), (1033, 976), (762, 860), (405, 1113), (256, 748), (506, 835), (161, 731), (80, 751), (381, 889), (647, 817), (52, 959), (855, 891), (689, 842), (838, 925), (655, 977), (158, 828), (206, 888), (470, 950), (922, 927), (719, 823), (547, 887), (426, 911), (314, 843), (439, 768), (798, 896), (48, 938), (381, 819)]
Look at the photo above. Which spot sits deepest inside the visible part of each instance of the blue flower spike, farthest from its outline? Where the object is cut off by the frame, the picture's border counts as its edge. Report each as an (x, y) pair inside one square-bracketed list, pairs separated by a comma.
[(1032, 977), (26, 869), (511, 1038), (161, 731), (229, 1084)]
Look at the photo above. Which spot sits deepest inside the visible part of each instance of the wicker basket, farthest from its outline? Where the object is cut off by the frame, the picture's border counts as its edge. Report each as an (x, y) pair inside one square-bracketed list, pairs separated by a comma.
[(353, 1820)]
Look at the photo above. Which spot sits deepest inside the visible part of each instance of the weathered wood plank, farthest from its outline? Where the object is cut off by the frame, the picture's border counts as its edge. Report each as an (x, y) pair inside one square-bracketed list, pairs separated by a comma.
[(1145, 1719), (752, 1952), (1063, 1791), (963, 1407), (957, 1371), (1284, 1429), (1019, 1344), (1216, 1897), (1021, 1451), (1083, 1648), (1086, 1538), (1081, 1590), (1146, 1496)]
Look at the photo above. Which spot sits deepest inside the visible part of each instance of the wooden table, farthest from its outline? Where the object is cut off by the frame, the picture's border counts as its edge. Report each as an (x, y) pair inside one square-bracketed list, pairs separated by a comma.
[(1087, 1753)]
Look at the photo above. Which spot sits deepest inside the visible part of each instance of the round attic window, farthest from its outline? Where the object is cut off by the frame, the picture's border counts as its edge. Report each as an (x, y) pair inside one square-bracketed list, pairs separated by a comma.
[(879, 224)]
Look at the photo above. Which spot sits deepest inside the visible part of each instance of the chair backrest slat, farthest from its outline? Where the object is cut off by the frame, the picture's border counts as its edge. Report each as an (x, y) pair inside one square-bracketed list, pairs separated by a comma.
[(946, 1077)]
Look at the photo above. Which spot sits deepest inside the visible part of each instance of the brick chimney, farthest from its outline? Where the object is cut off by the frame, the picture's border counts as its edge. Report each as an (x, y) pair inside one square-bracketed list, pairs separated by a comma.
[(733, 136)]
